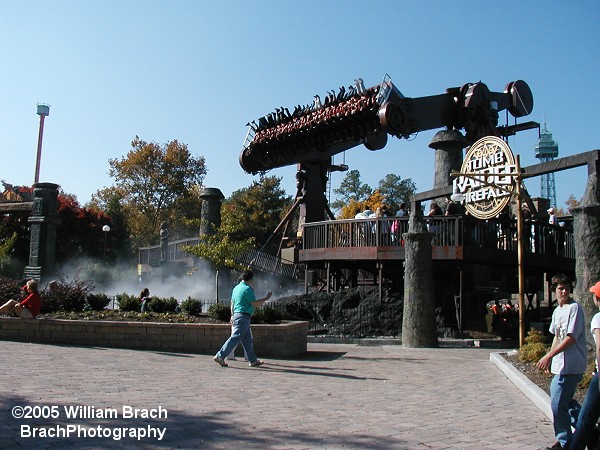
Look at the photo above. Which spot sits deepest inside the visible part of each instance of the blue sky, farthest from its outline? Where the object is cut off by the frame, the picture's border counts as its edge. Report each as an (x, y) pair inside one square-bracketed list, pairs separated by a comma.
[(197, 71)]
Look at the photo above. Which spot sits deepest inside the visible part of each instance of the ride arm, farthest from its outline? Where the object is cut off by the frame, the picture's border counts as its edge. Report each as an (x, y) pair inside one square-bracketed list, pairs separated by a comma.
[(316, 133)]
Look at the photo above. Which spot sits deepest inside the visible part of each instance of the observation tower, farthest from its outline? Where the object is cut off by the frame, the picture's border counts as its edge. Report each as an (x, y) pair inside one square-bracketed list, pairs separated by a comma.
[(546, 150)]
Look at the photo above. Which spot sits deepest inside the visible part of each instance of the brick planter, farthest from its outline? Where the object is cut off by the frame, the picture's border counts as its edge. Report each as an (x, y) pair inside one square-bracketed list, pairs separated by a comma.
[(281, 340)]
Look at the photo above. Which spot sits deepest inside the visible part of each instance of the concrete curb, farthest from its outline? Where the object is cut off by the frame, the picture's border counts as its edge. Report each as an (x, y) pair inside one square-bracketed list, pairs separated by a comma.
[(443, 343), (532, 391)]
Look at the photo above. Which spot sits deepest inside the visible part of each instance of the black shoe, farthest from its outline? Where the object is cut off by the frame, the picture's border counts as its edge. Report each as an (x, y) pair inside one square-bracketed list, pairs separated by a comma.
[(556, 446)]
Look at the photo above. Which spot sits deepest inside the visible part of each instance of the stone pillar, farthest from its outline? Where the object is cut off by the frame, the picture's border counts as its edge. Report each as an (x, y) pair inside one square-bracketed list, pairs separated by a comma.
[(448, 146), (211, 210), (43, 222), (210, 220), (418, 323), (586, 233)]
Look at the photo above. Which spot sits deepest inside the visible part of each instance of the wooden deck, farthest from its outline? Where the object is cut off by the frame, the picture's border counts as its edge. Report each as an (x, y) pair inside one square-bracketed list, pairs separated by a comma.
[(547, 246)]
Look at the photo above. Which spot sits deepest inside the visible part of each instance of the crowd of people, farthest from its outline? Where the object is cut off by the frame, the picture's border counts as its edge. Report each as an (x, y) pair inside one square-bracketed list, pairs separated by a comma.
[(281, 124)]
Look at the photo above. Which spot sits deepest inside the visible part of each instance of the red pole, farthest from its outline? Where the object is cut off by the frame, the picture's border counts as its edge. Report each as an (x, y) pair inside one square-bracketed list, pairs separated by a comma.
[(39, 150)]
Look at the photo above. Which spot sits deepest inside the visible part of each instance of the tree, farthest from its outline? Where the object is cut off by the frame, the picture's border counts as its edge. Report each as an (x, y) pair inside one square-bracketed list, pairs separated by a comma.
[(372, 202), (18, 224), (119, 232), (80, 230), (571, 203), (395, 190), (351, 188), (150, 183), (222, 248), (7, 245), (260, 207)]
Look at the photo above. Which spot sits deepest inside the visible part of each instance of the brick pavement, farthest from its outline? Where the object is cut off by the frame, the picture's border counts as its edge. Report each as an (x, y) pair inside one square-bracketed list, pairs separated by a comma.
[(337, 396)]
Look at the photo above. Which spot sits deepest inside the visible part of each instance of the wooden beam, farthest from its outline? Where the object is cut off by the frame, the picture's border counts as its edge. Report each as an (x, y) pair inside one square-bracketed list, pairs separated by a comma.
[(590, 159), (12, 207)]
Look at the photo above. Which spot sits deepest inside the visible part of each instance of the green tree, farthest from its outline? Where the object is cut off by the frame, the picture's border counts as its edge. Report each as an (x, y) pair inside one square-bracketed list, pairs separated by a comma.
[(395, 190), (351, 188), (10, 225), (222, 248), (150, 182), (260, 208), (6, 248), (119, 232)]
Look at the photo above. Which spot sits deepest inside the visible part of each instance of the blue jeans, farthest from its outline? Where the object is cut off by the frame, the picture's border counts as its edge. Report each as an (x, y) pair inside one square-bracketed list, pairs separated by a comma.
[(564, 408), (240, 335), (588, 416)]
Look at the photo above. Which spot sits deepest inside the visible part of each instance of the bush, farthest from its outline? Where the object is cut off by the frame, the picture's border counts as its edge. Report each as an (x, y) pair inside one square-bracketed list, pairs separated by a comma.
[(220, 311), (128, 302), (267, 314), (97, 302), (11, 289), (535, 336), (534, 348), (588, 374), (162, 305), (191, 306), (65, 295)]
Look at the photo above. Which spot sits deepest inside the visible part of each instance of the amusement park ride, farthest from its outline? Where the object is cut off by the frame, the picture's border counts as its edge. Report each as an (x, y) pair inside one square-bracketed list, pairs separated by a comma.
[(311, 135)]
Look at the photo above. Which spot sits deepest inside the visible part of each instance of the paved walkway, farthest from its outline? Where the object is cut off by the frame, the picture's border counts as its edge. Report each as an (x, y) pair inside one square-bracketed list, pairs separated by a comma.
[(337, 396)]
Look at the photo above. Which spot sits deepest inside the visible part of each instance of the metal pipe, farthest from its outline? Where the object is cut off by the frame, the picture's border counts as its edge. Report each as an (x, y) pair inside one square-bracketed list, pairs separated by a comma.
[(39, 150)]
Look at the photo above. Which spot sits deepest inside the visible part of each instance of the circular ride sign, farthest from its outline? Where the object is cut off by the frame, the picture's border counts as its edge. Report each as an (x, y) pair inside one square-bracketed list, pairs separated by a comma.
[(487, 178)]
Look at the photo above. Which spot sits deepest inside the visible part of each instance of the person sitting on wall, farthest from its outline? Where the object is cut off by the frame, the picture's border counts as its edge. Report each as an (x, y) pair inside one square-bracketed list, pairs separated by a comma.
[(28, 308)]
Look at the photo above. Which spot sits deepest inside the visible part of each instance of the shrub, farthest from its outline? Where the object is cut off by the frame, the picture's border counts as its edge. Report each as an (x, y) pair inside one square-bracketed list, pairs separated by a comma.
[(220, 311), (162, 305), (535, 336), (11, 289), (532, 352), (588, 374), (65, 295), (534, 348), (267, 314), (128, 302), (191, 306), (97, 302)]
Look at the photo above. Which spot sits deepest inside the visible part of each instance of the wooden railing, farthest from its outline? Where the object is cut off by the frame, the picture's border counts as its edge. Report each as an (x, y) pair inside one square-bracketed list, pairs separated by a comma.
[(255, 259), (540, 237)]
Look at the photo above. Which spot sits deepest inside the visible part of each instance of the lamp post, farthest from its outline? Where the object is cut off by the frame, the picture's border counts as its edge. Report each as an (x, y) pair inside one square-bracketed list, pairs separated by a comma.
[(105, 229)]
